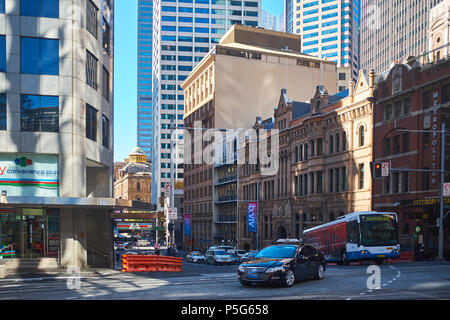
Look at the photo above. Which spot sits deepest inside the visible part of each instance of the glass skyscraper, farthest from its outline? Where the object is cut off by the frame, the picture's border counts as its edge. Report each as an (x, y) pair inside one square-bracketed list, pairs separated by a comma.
[(184, 31), (329, 29), (144, 85)]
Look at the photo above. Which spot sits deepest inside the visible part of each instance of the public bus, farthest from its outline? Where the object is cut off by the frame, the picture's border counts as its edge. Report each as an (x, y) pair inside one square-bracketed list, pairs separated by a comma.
[(357, 236)]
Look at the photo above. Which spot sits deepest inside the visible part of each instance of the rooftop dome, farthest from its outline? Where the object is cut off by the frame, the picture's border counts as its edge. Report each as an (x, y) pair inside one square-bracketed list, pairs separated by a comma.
[(138, 155)]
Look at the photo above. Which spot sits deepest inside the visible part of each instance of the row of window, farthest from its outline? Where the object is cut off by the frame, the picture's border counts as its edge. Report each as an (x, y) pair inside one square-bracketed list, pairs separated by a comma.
[(307, 184), (315, 147), (40, 113)]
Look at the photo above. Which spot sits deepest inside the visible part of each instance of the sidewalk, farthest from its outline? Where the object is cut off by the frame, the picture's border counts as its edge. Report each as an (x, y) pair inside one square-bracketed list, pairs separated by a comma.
[(57, 273)]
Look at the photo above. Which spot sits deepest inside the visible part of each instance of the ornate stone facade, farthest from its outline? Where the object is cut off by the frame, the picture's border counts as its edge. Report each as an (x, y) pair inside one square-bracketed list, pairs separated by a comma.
[(132, 177), (325, 151)]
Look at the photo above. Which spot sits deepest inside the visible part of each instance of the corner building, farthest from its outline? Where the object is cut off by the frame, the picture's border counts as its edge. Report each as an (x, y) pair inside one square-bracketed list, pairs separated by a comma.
[(325, 150), (56, 125)]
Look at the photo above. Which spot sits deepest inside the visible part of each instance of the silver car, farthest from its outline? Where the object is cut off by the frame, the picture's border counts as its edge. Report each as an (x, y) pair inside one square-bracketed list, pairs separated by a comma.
[(217, 256), (195, 256)]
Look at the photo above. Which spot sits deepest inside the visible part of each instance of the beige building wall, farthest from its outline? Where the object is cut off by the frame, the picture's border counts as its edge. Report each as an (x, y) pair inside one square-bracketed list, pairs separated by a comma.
[(245, 88)]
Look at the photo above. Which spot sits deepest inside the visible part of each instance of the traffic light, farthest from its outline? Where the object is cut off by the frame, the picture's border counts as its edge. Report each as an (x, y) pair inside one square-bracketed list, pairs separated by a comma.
[(376, 170)]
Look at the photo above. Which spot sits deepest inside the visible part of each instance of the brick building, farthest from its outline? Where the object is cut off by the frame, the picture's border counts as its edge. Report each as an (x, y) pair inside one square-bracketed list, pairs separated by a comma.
[(325, 151), (413, 96)]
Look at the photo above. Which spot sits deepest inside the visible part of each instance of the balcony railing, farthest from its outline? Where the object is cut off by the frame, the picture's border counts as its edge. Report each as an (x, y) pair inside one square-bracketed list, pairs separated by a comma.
[(226, 179)]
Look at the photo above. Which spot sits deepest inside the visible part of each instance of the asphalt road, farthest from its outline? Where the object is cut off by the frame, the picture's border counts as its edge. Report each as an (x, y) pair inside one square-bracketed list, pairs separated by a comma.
[(420, 280)]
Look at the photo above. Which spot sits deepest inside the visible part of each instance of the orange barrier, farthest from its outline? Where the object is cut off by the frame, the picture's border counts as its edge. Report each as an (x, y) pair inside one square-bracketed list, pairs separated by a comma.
[(151, 263)]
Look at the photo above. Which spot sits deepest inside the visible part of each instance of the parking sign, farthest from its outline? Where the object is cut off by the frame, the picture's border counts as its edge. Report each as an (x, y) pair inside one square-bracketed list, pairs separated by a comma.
[(385, 169), (446, 189)]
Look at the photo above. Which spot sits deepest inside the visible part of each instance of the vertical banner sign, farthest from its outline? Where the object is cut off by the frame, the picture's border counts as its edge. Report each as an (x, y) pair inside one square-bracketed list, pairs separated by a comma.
[(434, 141), (187, 224), (252, 217)]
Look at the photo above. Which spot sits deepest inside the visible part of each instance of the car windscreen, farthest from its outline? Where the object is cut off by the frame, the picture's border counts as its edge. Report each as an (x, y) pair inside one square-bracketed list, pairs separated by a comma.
[(220, 253), (196, 254), (277, 252)]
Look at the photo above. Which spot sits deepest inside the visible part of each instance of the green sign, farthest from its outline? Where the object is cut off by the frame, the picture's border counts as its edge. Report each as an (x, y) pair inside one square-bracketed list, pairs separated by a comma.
[(417, 229)]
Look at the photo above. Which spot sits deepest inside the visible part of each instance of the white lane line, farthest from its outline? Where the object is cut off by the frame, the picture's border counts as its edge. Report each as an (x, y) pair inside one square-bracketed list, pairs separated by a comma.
[(348, 299)]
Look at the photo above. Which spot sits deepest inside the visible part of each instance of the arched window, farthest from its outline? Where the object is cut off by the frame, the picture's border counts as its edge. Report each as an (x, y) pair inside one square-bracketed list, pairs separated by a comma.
[(338, 142), (138, 186), (331, 144), (344, 141), (361, 136), (296, 154), (306, 151), (301, 152), (332, 216)]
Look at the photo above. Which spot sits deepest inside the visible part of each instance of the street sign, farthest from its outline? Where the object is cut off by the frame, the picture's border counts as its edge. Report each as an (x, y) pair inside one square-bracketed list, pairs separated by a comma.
[(385, 169), (417, 229), (172, 213), (446, 189)]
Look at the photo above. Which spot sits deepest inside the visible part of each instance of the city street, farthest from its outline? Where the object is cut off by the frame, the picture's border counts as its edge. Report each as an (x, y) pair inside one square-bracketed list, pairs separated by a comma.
[(419, 280)]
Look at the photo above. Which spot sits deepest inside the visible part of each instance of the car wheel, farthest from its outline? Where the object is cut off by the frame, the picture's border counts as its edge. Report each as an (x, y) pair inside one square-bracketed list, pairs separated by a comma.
[(320, 272), (289, 278), (215, 263)]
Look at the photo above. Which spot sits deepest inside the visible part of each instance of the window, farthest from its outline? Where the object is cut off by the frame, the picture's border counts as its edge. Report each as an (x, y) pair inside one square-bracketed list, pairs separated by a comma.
[(2, 6), (105, 131), (91, 122), (39, 56), (405, 182), (426, 99), (330, 180), (344, 141), (91, 18), (446, 93), (386, 185), (2, 54), (338, 142), (38, 8), (426, 180), (406, 106), (312, 147), (361, 136), (387, 147), (39, 113), (405, 142), (91, 70), (388, 112), (397, 110), (361, 175), (2, 111), (396, 142), (319, 181), (296, 154), (342, 76), (331, 144), (106, 31), (319, 147), (105, 84), (395, 182)]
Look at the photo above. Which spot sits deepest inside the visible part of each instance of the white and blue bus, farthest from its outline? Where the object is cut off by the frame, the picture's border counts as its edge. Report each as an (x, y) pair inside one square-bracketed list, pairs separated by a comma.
[(357, 236)]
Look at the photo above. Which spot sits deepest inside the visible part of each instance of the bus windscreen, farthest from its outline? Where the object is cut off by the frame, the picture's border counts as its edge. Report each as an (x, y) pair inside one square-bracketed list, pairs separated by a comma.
[(378, 230)]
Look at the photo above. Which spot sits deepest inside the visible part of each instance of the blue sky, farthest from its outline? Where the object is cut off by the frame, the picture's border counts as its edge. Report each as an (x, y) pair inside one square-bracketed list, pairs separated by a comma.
[(125, 73)]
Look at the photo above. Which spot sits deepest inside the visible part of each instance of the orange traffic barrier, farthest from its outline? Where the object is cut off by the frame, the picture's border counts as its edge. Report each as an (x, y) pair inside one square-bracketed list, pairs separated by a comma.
[(151, 263)]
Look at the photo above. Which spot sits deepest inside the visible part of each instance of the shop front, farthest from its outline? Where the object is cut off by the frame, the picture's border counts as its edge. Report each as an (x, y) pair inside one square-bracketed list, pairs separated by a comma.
[(29, 232), (419, 227)]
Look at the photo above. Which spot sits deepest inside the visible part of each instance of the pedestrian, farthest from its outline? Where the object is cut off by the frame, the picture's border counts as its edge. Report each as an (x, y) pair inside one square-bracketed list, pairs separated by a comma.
[(157, 248), (175, 251)]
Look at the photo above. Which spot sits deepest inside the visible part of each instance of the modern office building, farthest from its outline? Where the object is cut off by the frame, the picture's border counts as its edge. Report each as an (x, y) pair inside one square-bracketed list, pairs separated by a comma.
[(289, 16), (144, 76), (237, 81), (56, 125), (393, 30), (329, 29), (183, 33), (271, 22)]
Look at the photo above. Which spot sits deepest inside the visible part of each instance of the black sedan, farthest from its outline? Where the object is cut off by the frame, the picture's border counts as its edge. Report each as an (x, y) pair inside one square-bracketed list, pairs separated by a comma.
[(283, 264)]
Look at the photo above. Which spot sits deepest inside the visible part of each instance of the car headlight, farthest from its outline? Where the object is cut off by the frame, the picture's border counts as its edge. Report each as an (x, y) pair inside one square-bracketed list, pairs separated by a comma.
[(274, 269), (241, 268)]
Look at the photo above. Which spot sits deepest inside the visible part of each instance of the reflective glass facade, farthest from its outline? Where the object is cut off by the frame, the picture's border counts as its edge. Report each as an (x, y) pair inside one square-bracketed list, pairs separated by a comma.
[(184, 32), (144, 85)]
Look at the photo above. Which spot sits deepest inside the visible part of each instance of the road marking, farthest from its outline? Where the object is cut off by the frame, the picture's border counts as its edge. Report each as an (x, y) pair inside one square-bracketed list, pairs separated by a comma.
[(348, 299)]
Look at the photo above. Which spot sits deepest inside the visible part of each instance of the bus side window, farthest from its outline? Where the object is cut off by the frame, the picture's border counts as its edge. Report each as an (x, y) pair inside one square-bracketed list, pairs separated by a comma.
[(352, 232)]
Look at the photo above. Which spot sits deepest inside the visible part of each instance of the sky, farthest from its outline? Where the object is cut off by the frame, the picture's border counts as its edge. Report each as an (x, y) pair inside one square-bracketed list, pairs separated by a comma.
[(125, 73)]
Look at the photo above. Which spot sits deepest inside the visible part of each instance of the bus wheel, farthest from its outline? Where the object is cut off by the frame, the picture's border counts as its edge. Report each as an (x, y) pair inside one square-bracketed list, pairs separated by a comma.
[(344, 260)]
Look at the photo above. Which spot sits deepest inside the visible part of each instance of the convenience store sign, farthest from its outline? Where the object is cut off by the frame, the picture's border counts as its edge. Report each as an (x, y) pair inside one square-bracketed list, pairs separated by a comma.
[(29, 175)]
